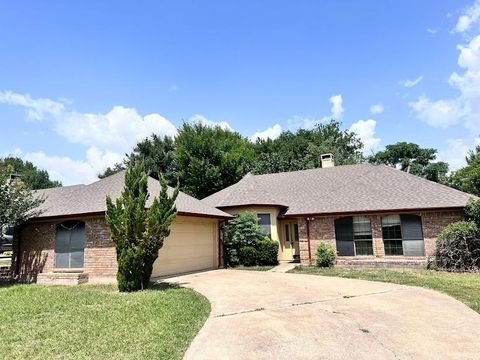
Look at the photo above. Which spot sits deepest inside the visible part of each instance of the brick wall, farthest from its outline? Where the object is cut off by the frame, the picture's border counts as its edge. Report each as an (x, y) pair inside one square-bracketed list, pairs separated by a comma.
[(322, 229), (37, 250)]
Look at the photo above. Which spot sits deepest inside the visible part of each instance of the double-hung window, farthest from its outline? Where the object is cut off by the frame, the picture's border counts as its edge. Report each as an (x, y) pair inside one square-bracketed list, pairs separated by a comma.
[(265, 222), (353, 236), (402, 235)]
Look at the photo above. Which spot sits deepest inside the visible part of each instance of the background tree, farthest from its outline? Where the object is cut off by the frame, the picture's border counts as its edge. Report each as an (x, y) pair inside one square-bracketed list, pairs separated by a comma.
[(138, 232), (468, 178), (17, 202), (208, 159), (301, 150), (33, 177), (411, 158)]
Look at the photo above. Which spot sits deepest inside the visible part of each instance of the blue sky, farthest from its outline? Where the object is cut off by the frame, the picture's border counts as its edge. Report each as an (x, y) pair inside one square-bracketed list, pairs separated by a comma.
[(81, 82)]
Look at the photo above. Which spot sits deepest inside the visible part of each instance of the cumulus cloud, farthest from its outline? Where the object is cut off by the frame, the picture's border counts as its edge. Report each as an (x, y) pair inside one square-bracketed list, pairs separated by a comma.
[(411, 83), (465, 107), (365, 129), (197, 118), (470, 16), (376, 109), (270, 133), (336, 113), (456, 151), (37, 109)]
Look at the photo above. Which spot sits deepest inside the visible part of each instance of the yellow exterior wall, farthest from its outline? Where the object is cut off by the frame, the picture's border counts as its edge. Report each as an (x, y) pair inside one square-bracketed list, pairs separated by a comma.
[(191, 246), (275, 228)]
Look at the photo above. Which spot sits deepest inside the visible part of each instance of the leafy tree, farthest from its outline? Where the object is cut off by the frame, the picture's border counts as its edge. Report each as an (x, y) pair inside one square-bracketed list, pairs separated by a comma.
[(301, 150), (138, 232), (468, 178), (17, 202), (33, 177), (109, 171), (411, 158), (208, 159)]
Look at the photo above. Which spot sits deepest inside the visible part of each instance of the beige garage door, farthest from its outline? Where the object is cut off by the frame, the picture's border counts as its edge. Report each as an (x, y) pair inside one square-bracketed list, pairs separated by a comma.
[(191, 246)]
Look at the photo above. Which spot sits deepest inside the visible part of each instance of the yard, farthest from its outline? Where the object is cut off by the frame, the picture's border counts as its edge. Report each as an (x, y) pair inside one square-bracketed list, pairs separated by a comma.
[(462, 286), (98, 322)]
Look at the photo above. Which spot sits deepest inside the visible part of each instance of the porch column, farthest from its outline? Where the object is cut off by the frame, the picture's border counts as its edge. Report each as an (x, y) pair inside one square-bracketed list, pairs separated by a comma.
[(377, 237)]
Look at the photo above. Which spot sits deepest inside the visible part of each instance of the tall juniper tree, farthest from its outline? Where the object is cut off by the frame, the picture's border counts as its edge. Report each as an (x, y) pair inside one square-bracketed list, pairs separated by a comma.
[(137, 231)]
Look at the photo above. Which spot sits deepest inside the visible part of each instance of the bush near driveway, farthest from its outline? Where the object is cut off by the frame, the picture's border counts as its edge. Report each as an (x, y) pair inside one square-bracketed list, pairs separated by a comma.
[(98, 322), (462, 286), (326, 255)]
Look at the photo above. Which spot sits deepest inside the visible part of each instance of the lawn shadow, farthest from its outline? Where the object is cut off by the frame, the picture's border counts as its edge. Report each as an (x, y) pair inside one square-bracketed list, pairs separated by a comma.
[(164, 286)]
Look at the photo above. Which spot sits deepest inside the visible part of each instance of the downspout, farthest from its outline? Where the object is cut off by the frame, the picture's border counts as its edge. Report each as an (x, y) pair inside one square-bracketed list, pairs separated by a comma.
[(18, 256), (307, 220)]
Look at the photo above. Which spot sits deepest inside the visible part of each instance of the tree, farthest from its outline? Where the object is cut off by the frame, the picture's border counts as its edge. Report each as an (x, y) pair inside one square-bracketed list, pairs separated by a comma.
[(302, 149), (109, 171), (33, 177), (208, 159), (468, 178), (138, 232), (411, 158), (17, 202)]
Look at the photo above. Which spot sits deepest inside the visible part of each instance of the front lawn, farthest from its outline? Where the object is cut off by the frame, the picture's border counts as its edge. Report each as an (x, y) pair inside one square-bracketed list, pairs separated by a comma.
[(98, 322), (464, 287)]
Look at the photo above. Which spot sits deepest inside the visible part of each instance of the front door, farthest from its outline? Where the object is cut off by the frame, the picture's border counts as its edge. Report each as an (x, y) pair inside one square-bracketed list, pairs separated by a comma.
[(291, 240)]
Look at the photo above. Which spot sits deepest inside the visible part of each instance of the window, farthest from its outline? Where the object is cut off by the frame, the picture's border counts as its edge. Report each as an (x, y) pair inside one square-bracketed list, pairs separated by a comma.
[(70, 244), (402, 235), (353, 236), (264, 221), (287, 232)]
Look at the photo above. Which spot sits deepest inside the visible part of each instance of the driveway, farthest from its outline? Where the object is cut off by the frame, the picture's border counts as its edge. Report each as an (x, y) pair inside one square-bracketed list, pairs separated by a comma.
[(268, 315)]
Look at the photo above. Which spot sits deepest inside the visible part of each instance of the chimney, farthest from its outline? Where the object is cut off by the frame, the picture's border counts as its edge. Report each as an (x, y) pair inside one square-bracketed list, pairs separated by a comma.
[(327, 160)]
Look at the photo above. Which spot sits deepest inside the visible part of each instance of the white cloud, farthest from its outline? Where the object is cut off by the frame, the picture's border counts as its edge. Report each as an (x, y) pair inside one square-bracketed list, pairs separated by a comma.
[(365, 129), (36, 109), (376, 109), (336, 113), (456, 151), (465, 107), (270, 133), (432, 31), (411, 83), (197, 118), (470, 16)]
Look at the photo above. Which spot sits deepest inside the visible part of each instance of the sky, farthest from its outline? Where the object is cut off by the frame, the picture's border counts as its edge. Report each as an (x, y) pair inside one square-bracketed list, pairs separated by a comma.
[(82, 82)]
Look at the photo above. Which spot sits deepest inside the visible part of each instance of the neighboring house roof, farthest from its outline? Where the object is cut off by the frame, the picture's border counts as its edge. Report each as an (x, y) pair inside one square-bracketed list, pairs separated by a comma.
[(340, 189), (91, 199)]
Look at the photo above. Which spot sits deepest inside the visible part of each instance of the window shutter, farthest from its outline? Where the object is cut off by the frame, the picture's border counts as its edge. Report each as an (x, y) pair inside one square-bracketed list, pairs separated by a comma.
[(412, 236), (344, 236)]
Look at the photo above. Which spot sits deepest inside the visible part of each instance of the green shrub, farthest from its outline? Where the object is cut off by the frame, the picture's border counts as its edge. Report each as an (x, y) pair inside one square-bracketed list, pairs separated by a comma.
[(248, 256), (472, 211), (325, 255), (458, 247), (267, 252), (241, 231)]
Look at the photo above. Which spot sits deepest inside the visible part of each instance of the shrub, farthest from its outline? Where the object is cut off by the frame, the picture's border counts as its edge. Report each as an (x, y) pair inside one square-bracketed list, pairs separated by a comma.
[(267, 252), (248, 256), (472, 211), (241, 231), (458, 247), (325, 255)]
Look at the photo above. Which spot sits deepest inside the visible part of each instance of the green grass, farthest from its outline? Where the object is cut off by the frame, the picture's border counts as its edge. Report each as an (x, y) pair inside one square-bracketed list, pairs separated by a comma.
[(462, 286), (254, 268), (98, 322)]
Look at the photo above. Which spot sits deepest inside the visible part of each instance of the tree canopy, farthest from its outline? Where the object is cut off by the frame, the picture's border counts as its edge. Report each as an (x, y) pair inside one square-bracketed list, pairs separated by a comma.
[(468, 178), (412, 158), (17, 202), (301, 150), (32, 176)]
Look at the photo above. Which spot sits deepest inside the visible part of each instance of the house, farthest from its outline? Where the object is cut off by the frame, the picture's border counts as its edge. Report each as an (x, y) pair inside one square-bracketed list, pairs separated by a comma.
[(69, 243), (372, 215)]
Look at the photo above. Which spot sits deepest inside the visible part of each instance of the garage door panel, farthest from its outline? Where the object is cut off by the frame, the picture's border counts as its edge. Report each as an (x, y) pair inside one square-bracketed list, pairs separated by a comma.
[(191, 246)]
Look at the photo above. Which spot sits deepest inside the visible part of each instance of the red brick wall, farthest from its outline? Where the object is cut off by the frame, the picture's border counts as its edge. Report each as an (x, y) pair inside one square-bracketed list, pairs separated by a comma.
[(37, 249), (322, 229)]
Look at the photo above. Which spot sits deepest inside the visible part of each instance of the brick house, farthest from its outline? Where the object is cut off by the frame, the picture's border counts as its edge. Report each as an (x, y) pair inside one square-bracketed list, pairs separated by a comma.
[(372, 215), (69, 243)]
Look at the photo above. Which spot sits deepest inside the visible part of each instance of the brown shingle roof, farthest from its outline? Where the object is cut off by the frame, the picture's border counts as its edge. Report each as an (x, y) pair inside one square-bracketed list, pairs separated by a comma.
[(341, 189), (90, 199)]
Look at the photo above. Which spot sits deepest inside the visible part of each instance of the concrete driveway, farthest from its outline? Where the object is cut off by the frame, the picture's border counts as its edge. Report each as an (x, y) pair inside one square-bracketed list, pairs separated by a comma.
[(267, 315)]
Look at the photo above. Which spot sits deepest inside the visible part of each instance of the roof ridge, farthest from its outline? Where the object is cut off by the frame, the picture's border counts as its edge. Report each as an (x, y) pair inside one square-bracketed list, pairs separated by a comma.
[(316, 169)]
